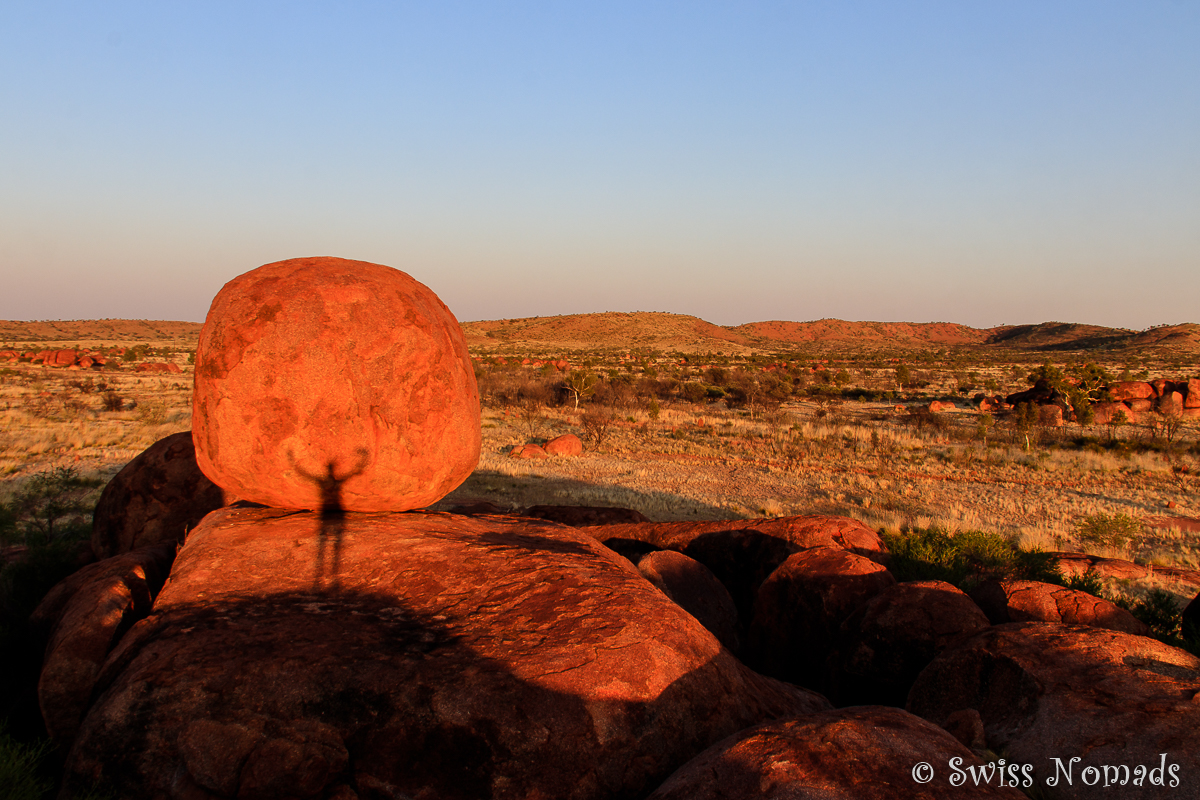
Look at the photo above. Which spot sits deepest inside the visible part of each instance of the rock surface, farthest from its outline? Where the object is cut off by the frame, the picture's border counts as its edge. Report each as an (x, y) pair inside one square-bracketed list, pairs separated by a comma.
[(83, 618), (1032, 601), (883, 646), (156, 497), (800, 608), (1046, 690), (696, 590), (865, 753), (323, 382), (410, 655)]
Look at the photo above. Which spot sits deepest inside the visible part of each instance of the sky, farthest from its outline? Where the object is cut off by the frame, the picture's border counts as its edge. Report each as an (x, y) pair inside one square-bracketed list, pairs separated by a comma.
[(986, 163)]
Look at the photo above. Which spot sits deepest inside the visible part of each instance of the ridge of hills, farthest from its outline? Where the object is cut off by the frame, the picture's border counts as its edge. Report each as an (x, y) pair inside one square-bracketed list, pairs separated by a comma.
[(666, 332), (663, 331)]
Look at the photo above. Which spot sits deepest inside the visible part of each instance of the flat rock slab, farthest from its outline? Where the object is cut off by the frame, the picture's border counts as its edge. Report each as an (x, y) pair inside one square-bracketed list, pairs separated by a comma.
[(862, 753), (802, 532), (1046, 690), (410, 655)]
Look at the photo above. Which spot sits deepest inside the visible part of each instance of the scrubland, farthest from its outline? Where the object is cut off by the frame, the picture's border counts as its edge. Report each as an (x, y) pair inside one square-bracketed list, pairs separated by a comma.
[(710, 437)]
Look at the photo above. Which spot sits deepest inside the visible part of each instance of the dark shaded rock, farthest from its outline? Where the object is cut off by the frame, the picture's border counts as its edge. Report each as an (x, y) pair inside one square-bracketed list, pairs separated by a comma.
[(1031, 601), (83, 618), (585, 516), (883, 646), (690, 584), (800, 608), (410, 655), (631, 549), (156, 497), (481, 507), (865, 753), (1047, 690)]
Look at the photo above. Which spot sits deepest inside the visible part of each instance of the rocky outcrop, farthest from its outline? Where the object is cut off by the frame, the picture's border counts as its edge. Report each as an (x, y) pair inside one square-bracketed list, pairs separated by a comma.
[(410, 655), (156, 497), (1088, 696), (696, 590), (82, 618), (322, 382), (883, 646), (1032, 601), (866, 753), (800, 608)]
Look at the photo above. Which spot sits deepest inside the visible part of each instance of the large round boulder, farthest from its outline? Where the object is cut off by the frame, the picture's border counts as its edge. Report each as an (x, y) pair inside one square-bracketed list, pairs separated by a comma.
[(883, 646), (800, 608), (294, 655), (327, 383), (157, 497), (697, 591), (865, 753)]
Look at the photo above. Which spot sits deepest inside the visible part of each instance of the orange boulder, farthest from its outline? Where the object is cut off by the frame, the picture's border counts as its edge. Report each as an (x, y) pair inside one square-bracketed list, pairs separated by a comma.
[(528, 451), (323, 382), (1132, 390), (1192, 397), (566, 445)]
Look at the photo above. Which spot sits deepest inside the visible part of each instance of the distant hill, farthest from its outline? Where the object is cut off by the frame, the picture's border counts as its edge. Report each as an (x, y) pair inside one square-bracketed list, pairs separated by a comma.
[(681, 333), (663, 332), (100, 330)]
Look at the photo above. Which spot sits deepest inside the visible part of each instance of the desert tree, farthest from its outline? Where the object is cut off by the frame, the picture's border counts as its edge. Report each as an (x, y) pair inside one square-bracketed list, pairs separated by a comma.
[(580, 384)]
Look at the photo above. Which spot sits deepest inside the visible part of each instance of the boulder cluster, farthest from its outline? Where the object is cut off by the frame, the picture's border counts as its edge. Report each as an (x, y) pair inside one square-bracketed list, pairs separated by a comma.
[(318, 635), (1128, 398), (83, 359)]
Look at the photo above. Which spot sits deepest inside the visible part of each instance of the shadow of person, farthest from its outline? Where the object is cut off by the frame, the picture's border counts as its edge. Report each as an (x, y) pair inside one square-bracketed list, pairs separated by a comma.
[(331, 517)]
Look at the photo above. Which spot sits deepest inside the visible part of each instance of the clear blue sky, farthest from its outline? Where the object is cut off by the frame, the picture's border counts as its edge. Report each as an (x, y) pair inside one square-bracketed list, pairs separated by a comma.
[(983, 162)]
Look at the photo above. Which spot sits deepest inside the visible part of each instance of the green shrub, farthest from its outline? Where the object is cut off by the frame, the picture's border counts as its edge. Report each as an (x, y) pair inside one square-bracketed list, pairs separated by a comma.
[(21, 769), (965, 559), (53, 505), (1108, 530)]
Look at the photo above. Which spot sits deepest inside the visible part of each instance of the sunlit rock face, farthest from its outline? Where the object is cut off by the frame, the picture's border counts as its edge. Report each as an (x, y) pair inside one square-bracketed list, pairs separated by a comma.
[(410, 655), (324, 381)]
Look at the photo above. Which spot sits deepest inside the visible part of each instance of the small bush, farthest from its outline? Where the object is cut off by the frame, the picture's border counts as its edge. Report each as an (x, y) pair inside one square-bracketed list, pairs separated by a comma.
[(1108, 530), (597, 426), (111, 401)]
